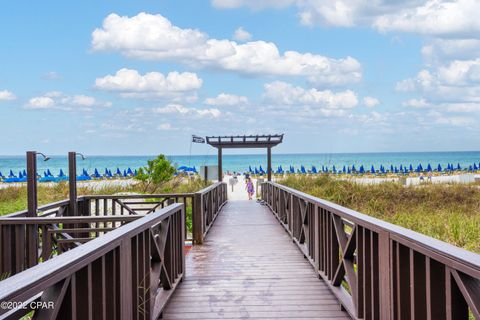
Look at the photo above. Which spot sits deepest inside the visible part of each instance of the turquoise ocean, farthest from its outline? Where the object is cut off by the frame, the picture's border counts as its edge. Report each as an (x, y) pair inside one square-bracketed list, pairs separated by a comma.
[(240, 163)]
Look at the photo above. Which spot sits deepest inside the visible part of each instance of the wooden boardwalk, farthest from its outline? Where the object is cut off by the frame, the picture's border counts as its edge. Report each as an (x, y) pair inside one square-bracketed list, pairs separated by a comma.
[(248, 268)]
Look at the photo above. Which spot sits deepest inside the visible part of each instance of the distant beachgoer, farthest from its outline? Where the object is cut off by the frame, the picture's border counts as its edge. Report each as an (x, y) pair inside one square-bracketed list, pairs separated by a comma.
[(422, 178), (250, 188), (430, 176)]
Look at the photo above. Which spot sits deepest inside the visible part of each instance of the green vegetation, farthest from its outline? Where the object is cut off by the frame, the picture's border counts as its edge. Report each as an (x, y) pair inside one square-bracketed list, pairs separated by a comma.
[(157, 172), (449, 212)]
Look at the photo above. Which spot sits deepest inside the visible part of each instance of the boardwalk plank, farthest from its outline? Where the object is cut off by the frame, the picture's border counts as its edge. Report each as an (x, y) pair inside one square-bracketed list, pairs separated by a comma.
[(248, 268)]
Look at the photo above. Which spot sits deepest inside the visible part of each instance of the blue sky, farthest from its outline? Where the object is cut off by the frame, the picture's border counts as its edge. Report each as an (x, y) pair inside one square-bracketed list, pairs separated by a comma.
[(139, 77)]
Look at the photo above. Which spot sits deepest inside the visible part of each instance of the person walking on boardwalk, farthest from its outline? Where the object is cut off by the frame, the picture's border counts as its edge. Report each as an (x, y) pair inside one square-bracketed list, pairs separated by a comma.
[(250, 188)]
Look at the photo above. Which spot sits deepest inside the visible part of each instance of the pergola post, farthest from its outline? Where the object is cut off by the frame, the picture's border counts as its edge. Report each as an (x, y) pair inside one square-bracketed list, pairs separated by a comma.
[(72, 183), (220, 170), (269, 164)]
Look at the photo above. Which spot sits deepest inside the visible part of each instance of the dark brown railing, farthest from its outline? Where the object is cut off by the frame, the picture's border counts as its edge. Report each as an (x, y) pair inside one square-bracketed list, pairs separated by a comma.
[(378, 270), (128, 273), (207, 205), (26, 241)]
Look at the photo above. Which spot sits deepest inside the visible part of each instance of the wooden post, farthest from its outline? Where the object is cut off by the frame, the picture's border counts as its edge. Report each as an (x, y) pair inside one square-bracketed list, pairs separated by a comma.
[(72, 183), (197, 218), (220, 170), (32, 205), (269, 164)]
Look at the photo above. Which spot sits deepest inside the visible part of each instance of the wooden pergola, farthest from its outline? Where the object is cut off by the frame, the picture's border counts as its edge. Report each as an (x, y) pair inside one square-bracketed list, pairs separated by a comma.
[(251, 141)]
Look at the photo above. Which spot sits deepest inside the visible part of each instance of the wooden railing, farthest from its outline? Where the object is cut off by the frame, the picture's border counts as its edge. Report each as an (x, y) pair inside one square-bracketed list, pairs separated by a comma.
[(128, 273), (378, 270), (207, 205), (26, 241)]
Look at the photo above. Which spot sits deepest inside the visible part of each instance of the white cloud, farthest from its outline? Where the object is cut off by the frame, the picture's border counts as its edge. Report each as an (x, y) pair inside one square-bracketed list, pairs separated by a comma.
[(6, 95), (242, 35), (165, 127), (60, 101), (225, 99), (182, 110), (416, 103), (130, 83), (370, 102), (41, 103), (328, 102), (434, 17), (456, 81), (153, 37)]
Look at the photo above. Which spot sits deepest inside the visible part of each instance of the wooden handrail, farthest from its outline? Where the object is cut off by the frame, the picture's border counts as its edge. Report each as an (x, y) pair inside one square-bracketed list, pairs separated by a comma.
[(377, 269), (128, 273), (207, 204)]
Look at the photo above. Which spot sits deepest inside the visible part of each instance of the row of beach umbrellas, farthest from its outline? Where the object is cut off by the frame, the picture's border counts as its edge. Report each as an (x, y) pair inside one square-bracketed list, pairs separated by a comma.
[(49, 177), (362, 170)]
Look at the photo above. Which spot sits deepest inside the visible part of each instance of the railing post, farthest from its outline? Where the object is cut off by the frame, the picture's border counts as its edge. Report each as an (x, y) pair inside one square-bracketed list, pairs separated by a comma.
[(32, 231), (197, 218), (72, 183), (385, 273), (126, 279)]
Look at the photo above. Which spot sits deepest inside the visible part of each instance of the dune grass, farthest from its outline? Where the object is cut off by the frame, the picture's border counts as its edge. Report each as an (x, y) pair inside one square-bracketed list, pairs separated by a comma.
[(449, 212)]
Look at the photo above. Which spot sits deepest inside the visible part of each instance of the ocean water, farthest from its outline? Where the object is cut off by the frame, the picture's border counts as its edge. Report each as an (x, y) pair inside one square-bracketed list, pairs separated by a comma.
[(240, 163)]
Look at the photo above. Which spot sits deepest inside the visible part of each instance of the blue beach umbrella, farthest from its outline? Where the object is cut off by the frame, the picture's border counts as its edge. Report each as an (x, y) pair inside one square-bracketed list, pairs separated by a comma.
[(353, 168), (411, 168), (314, 169), (401, 168), (11, 175), (20, 175), (96, 173), (458, 166), (124, 172), (61, 174), (1, 175), (49, 173), (129, 171), (256, 171), (372, 169), (334, 170), (474, 167), (362, 170), (135, 172), (439, 168), (250, 169), (118, 173), (24, 173), (429, 168), (348, 170)]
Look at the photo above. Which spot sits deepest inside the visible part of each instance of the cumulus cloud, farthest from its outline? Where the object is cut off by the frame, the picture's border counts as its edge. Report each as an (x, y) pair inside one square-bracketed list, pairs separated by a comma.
[(370, 102), (130, 83), (6, 95), (458, 80), (242, 35), (154, 37), (182, 110), (60, 101), (416, 103), (434, 17), (326, 102), (225, 99)]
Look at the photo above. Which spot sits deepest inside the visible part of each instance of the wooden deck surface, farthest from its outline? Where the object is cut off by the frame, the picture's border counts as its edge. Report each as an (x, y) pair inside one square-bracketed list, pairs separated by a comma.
[(248, 268)]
